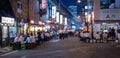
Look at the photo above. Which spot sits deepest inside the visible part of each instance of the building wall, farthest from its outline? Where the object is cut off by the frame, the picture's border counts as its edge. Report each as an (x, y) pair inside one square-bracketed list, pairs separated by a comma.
[(97, 12), (96, 9), (117, 3), (24, 13), (33, 9)]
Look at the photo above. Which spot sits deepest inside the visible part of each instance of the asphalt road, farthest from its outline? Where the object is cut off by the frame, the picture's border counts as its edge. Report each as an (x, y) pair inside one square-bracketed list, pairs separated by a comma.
[(68, 48)]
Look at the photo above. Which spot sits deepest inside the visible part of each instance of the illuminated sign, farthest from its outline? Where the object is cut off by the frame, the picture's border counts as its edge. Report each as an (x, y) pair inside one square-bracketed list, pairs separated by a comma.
[(32, 21), (110, 14), (61, 19), (53, 11), (65, 21), (44, 4), (57, 16), (8, 20)]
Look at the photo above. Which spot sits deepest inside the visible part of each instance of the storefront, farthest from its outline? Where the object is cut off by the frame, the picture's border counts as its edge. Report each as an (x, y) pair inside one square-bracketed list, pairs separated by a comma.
[(22, 27), (8, 30), (35, 26), (106, 26)]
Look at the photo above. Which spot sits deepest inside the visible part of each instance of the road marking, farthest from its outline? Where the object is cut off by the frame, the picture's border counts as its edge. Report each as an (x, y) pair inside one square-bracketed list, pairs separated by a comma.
[(23, 57), (10, 53), (51, 52), (55, 40), (45, 53)]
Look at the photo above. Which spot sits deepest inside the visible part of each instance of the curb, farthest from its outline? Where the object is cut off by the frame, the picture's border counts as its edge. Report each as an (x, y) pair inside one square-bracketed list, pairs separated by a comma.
[(5, 50)]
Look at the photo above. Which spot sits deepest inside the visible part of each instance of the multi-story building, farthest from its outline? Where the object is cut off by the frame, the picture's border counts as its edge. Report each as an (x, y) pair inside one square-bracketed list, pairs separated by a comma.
[(59, 13), (16, 16), (22, 16), (73, 10), (104, 14)]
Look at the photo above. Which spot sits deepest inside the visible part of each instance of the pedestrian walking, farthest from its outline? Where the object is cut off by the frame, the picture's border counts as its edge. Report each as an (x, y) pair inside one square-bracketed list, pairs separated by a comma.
[(101, 36), (86, 36), (113, 33), (66, 34), (97, 37), (28, 42), (32, 40), (60, 33), (42, 37), (105, 37), (47, 36), (119, 37), (39, 37)]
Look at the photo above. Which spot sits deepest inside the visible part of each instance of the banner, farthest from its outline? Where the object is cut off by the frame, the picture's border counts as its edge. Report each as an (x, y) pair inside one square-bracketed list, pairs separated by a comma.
[(13, 32), (110, 14)]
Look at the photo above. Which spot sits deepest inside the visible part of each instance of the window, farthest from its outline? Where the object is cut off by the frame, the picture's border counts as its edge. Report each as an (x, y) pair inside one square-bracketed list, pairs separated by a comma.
[(109, 4)]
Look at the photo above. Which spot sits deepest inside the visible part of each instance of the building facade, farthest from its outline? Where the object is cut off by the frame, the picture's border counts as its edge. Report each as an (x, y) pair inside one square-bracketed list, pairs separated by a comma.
[(17, 17), (103, 14), (73, 9), (106, 13), (59, 13), (23, 16)]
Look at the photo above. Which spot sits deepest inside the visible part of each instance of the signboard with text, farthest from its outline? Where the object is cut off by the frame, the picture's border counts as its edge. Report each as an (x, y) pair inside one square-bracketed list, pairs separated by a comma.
[(8, 20), (110, 14), (53, 11)]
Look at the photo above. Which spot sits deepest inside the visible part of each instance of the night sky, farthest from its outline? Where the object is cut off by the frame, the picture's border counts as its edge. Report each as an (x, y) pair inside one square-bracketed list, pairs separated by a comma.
[(72, 2), (69, 2)]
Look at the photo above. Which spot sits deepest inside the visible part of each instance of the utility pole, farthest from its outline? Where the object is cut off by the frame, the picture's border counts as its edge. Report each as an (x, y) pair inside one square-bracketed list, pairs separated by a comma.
[(92, 20), (28, 20)]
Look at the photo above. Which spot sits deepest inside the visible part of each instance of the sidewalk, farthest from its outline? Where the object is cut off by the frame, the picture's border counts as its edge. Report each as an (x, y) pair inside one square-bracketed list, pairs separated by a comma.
[(5, 50)]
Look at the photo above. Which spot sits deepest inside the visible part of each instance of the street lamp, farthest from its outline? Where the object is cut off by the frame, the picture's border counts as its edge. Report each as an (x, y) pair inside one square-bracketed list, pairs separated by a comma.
[(79, 1)]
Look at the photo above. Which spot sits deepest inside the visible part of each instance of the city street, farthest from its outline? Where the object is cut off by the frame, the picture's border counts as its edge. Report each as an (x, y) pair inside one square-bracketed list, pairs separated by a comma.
[(68, 48), (24, 23)]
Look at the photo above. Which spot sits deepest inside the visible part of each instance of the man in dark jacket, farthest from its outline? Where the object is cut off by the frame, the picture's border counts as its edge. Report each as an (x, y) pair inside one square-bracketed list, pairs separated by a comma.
[(39, 37)]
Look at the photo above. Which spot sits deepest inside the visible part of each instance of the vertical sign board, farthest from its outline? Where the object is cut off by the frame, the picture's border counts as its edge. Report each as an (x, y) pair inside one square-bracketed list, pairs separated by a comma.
[(61, 19), (57, 17), (53, 11), (44, 4), (110, 14)]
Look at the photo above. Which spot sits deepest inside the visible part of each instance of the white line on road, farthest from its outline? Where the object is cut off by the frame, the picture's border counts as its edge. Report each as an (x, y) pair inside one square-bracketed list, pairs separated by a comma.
[(9, 53), (55, 40), (51, 52), (23, 57)]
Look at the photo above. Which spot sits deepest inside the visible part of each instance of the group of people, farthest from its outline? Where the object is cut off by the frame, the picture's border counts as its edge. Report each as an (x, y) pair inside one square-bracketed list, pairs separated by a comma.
[(30, 40), (63, 34), (100, 36)]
